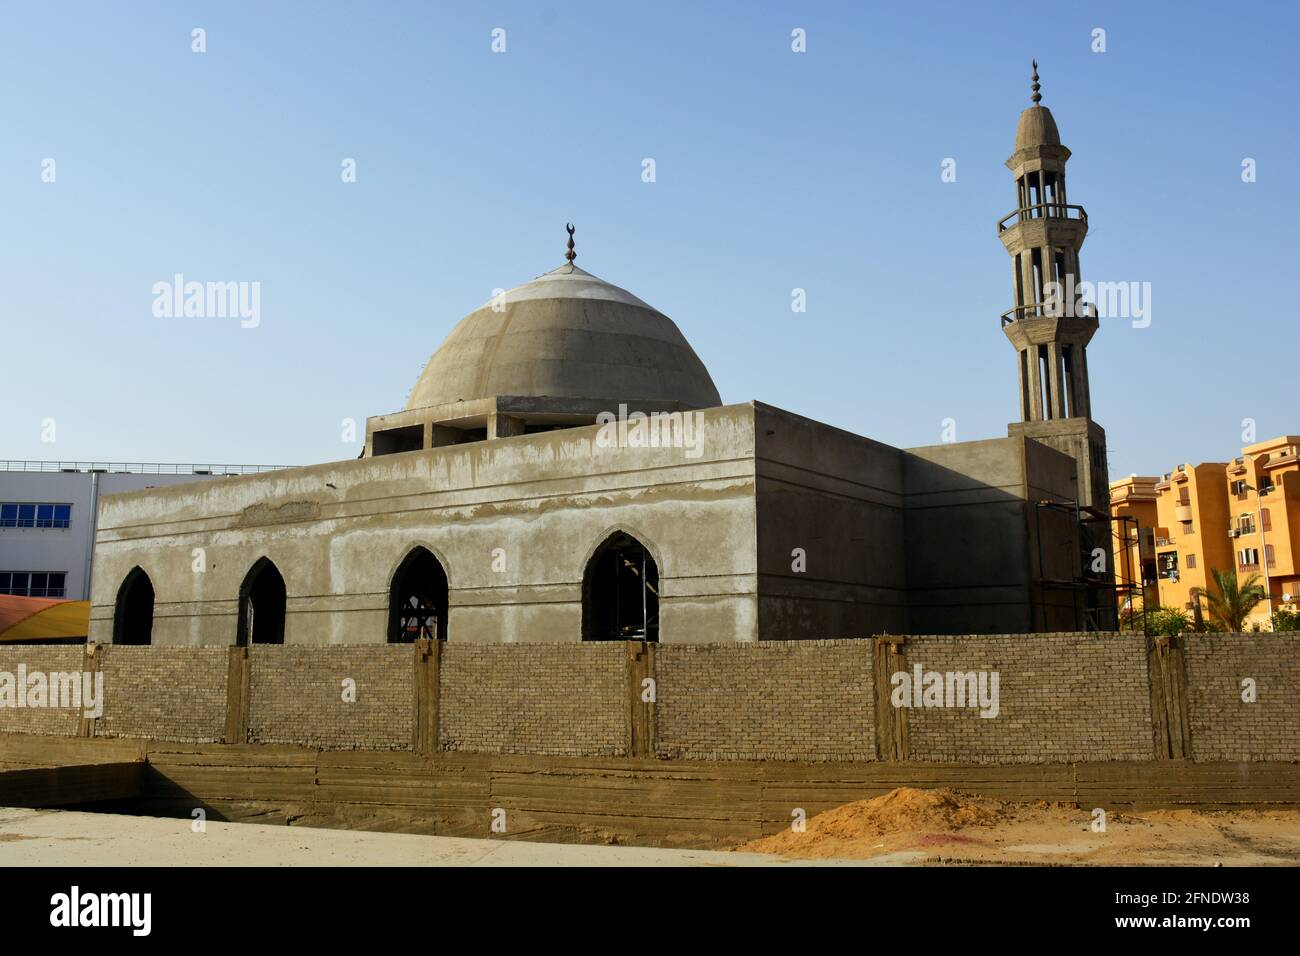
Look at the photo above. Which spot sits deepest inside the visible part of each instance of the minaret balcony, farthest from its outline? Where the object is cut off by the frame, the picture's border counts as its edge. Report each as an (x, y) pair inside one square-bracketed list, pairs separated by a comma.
[(1050, 310), (1044, 210)]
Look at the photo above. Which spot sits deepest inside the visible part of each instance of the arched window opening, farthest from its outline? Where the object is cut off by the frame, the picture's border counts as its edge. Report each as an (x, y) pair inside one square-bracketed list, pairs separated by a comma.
[(620, 592), (133, 614), (417, 599), (261, 606)]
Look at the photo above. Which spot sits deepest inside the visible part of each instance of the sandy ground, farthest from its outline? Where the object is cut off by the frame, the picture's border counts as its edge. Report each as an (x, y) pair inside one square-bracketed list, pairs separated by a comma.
[(936, 827), (65, 838), (905, 827)]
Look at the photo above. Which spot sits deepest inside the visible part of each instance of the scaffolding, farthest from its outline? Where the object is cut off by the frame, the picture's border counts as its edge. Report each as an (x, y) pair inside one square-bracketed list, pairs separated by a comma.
[(1102, 594)]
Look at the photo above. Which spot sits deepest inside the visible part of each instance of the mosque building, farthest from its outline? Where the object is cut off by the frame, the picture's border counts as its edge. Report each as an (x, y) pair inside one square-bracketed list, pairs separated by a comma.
[(565, 470)]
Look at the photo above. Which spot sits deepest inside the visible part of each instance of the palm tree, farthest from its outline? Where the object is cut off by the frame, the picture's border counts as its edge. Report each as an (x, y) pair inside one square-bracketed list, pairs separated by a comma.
[(1235, 600)]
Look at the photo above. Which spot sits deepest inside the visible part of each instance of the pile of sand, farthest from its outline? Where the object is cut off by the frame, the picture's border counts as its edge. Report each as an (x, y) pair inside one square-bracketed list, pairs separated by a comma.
[(857, 829), (946, 826)]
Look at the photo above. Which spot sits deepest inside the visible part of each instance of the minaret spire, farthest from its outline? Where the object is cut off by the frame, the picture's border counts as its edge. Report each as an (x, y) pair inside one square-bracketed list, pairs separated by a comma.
[(1037, 97), (570, 255)]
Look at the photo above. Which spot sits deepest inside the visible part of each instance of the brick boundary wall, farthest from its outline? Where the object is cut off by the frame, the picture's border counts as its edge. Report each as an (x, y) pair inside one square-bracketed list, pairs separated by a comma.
[(1062, 698), (1223, 726), (774, 700), (296, 695), (47, 659), (558, 699), (163, 693)]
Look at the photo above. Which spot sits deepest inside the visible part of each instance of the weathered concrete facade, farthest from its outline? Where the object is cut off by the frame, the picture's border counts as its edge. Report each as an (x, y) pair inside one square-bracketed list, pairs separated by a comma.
[(933, 539), (536, 506)]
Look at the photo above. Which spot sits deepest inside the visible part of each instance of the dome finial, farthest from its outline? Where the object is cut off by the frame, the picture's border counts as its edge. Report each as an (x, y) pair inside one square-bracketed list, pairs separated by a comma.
[(1037, 86), (570, 254)]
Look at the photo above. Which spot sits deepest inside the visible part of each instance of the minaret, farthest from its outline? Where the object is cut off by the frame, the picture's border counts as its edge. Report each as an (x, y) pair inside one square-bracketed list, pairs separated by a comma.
[(1050, 328), (1049, 325)]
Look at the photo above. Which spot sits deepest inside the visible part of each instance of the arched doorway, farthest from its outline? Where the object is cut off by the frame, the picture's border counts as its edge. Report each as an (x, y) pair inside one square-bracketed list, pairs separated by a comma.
[(133, 615), (417, 599), (261, 605), (620, 592)]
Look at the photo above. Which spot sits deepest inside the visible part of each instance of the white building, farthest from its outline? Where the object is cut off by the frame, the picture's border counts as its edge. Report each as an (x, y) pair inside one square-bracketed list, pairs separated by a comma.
[(47, 517)]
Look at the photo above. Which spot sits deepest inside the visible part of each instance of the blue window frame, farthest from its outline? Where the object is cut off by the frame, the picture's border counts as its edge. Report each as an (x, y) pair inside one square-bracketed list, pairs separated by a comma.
[(17, 514)]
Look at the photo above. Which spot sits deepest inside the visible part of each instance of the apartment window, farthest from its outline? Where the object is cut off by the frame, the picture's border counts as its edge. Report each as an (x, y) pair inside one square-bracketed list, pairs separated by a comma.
[(1187, 527), (46, 584), (18, 514), (1191, 561), (1268, 554), (1248, 557), (1167, 564), (1265, 520), (1239, 488), (1184, 498), (1246, 524)]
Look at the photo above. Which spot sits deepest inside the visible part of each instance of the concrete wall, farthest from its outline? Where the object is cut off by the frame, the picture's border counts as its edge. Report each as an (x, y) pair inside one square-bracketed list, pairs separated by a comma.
[(297, 696), (547, 501), (967, 555), (542, 699), (1062, 697), (1225, 727), (836, 498), (787, 700)]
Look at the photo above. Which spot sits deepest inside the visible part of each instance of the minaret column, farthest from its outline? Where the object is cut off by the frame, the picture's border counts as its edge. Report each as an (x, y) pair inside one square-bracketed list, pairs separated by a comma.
[(1035, 384), (1057, 389)]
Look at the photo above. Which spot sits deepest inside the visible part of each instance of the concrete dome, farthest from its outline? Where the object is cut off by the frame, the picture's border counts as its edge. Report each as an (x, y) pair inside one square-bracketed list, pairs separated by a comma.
[(566, 334), (1037, 128)]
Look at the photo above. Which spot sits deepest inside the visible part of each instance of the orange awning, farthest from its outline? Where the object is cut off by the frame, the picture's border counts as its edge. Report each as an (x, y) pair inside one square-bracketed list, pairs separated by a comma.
[(42, 619)]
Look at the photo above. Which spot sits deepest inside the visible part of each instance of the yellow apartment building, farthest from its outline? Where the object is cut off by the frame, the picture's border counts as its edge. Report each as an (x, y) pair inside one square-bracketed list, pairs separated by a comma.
[(1242, 515), (1134, 542), (1191, 534), (1263, 488)]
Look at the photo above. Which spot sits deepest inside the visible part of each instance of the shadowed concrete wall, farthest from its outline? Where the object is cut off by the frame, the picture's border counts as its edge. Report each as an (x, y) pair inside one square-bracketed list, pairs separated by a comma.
[(971, 553), (836, 498), (547, 501)]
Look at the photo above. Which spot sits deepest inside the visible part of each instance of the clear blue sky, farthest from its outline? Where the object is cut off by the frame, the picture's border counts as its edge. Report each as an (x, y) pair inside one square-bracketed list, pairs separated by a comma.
[(775, 170)]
